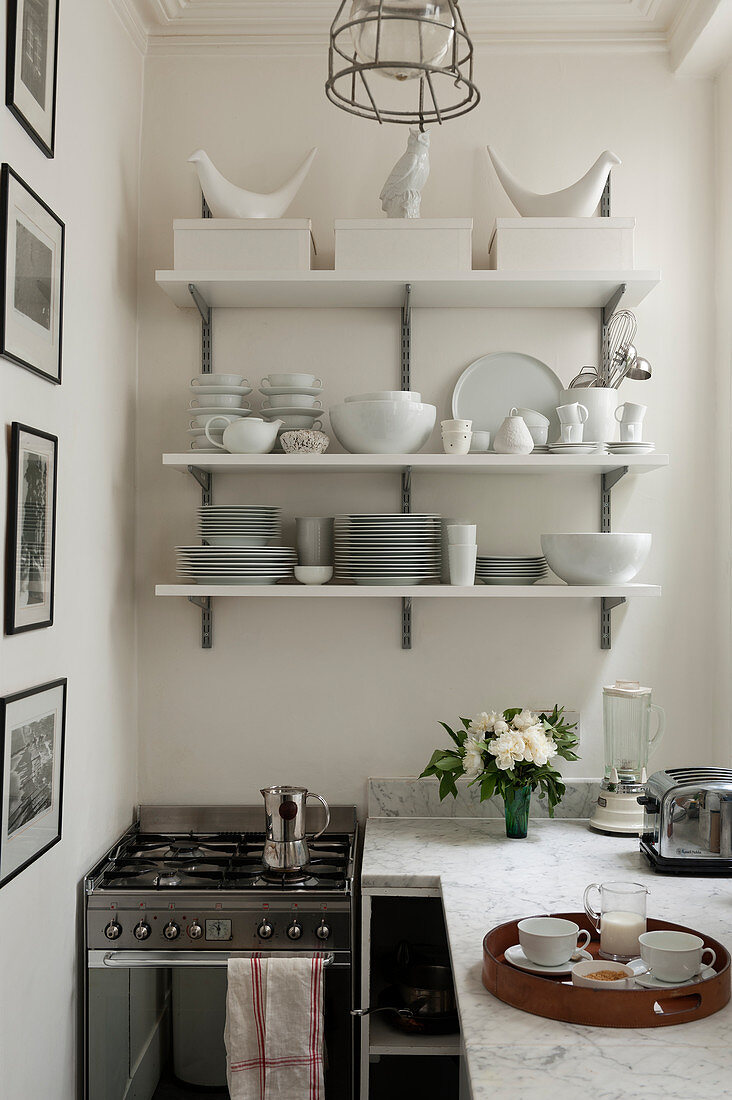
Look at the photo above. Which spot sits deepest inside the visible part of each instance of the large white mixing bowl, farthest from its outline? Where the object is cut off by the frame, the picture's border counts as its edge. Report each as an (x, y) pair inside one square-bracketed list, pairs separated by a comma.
[(383, 427), (596, 558)]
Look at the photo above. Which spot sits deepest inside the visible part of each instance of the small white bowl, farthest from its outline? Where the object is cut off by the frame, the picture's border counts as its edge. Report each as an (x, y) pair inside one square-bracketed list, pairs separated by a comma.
[(480, 443), (456, 425), (291, 400), (581, 972), (456, 443), (313, 574), (218, 380)]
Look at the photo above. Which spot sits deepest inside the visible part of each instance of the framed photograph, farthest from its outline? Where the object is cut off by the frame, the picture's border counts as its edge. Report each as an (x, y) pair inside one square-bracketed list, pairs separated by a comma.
[(32, 727), (31, 557), (30, 81), (31, 278)]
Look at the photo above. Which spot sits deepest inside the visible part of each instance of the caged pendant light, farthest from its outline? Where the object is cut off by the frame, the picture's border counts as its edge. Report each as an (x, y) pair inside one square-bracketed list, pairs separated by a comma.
[(424, 47)]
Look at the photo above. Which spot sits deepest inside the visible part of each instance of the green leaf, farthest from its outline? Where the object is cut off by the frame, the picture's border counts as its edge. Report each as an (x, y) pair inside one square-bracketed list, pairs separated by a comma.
[(449, 763), (447, 786)]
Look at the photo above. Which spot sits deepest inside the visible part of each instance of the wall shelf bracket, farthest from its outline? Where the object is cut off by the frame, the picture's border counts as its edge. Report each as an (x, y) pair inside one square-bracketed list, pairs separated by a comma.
[(204, 602), (612, 303), (406, 622), (609, 480), (406, 340), (205, 480), (607, 605), (205, 310)]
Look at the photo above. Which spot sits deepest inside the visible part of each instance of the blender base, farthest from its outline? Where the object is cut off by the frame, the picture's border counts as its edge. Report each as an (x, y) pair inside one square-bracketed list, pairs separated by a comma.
[(617, 814)]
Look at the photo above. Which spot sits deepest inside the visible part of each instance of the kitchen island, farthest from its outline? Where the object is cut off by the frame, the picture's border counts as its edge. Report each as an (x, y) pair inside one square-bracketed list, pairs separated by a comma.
[(485, 879)]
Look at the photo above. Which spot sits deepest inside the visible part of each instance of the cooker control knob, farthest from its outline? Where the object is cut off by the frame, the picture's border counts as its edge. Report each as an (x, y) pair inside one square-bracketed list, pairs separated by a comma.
[(265, 930), (142, 930), (195, 931), (294, 931), (113, 931), (171, 931), (322, 931)]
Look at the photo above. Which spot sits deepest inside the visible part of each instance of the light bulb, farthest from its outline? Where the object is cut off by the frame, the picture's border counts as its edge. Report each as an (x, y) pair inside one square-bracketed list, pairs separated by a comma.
[(411, 32)]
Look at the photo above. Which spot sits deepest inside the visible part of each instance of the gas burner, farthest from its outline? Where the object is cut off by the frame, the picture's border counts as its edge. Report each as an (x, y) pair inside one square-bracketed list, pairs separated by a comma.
[(285, 878), (184, 850)]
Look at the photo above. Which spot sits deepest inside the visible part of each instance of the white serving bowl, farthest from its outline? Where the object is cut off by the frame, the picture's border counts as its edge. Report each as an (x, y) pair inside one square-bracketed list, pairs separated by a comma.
[(291, 400), (383, 427), (385, 395), (596, 558)]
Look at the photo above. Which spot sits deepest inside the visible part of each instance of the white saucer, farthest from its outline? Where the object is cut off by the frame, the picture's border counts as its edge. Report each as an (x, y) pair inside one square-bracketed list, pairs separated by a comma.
[(515, 956), (241, 391), (291, 410), (631, 448), (575, 448), (650, 982), (268, 391), (208, 411)]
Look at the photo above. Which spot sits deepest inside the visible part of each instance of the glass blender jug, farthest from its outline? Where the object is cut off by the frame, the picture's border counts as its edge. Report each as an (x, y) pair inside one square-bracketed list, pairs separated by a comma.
[(626, 713)]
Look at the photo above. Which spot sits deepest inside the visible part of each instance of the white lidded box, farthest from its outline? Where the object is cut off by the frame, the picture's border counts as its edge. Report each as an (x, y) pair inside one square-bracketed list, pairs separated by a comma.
[(247, 244), (562, 244), (402, 244)]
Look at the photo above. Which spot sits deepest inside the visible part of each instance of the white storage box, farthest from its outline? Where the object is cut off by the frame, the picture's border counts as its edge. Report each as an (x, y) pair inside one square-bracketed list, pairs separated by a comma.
[(249, 244), (562, 244), (404, 244)]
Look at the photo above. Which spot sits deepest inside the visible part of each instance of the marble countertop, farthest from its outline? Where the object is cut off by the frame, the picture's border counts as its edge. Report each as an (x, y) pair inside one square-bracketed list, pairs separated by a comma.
[(485, 879)]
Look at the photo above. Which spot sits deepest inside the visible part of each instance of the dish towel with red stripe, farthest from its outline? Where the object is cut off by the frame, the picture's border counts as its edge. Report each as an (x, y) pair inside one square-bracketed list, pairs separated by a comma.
[(274, 1029)]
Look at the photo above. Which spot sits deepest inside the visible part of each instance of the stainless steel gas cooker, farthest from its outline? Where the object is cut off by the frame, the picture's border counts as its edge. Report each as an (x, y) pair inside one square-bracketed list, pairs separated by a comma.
[(181, 891)]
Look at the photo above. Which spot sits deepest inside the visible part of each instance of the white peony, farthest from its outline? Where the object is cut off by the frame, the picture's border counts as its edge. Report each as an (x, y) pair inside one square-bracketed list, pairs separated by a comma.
[(523, 720), (482, 723), (500, 726), (539, 747), (508, 748), (472, 760)]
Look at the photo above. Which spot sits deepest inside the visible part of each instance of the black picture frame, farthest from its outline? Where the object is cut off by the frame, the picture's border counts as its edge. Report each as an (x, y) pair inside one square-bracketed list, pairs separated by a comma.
[(32, 44), (31, 774), (29, 605), (32, 293)]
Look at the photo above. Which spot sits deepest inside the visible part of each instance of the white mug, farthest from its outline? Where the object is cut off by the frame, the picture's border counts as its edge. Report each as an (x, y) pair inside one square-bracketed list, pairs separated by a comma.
[(572, 414), (631, 431), (551, 941), (630, 413), (674, 956), (571, 433)]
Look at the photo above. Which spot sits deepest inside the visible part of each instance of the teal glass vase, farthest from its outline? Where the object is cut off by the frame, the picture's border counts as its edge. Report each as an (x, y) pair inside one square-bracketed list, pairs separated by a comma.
[(517, 803)]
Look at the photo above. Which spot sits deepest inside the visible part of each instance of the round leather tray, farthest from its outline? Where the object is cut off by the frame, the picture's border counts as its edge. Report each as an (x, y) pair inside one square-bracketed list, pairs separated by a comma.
[(558, 999)]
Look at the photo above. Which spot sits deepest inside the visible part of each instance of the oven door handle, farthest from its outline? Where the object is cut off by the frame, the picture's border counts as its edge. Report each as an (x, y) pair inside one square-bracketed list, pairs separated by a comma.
[(123, 960)]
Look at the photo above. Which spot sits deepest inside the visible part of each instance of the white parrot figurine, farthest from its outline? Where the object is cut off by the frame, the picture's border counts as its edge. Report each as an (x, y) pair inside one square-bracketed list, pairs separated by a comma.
[(226, 200), (401, 194), (580, 200)]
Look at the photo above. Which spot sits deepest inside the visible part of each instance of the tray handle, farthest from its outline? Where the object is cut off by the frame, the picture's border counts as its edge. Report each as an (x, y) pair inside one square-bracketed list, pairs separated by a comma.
[(690, 1002)]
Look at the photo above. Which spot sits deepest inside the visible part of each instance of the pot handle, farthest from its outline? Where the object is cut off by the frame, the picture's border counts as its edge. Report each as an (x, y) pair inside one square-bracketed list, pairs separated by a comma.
[(404, 1012), (326, 807), (208, 424)]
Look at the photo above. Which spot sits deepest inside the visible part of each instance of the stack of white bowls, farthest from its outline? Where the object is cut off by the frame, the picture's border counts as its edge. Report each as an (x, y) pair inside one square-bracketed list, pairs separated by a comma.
[(388, 548), (293, 399), (385, 422), (511, 570), (239, 525), (215, 395)]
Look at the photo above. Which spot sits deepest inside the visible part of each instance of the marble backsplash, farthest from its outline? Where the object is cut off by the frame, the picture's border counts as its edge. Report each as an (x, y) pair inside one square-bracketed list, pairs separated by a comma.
[(412, 797)]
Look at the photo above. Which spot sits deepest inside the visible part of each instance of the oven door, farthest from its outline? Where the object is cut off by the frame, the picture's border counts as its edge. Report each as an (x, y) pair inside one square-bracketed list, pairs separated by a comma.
[(155, 1024)]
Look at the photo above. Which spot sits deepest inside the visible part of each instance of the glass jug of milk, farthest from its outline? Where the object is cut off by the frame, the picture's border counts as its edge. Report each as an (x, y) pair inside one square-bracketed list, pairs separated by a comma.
[(621, 918)]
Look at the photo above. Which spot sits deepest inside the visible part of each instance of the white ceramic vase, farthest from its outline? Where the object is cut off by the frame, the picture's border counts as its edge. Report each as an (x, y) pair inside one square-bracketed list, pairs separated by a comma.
[(601, 403), (513, 437)]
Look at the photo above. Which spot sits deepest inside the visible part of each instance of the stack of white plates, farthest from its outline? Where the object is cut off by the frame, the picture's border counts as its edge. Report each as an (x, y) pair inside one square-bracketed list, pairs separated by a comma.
[(239, 525), (388, 548), (631, 448), (510, 570), (235, 565), (588, 448)]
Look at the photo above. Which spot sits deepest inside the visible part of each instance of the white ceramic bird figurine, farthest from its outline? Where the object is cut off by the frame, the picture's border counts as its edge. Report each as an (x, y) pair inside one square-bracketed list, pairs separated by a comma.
[(578, 201), (226, 200), (401, 195)]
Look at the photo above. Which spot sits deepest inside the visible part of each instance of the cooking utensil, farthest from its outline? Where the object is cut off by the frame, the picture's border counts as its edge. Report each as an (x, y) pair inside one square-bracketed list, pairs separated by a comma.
[(587, 377), (285, 846), (619, 335)]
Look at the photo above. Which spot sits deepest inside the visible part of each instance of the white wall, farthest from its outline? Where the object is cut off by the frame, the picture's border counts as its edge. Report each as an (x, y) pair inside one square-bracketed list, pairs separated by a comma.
[(93, 186), (321, 693)]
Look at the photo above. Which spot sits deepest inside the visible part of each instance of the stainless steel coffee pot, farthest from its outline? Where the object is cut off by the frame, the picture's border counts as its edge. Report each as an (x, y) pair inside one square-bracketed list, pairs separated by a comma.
[(285, 846)]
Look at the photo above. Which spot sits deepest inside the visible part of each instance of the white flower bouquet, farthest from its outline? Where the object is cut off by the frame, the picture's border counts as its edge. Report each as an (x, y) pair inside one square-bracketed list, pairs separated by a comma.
[(506, 753)]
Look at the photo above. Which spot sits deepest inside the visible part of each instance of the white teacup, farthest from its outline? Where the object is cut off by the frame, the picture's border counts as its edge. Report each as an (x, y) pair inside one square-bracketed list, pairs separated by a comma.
[(571, 433), (293, 400), (456, 425), (572, 414), (218, 380), (674, 956), (551, 941), (456, 443), (631, 431), (284, 381), (630, 412), (202, 421)]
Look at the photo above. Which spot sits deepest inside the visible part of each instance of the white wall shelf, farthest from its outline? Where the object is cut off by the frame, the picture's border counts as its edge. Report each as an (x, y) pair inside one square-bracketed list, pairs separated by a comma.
[(416, 591), (384, 1039), (426, 463), (343, 289)]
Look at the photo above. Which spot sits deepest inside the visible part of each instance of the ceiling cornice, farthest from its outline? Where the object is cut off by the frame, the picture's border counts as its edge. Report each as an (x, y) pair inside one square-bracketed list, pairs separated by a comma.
[(300, 27)]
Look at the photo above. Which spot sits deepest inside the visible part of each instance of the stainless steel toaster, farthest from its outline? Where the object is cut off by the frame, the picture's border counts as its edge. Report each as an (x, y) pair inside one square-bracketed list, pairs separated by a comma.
[(687, 825)]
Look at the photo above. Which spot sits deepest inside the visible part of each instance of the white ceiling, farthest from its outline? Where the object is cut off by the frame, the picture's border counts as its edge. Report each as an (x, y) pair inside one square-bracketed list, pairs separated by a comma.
[(295, 26)]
